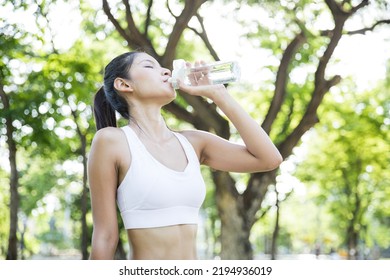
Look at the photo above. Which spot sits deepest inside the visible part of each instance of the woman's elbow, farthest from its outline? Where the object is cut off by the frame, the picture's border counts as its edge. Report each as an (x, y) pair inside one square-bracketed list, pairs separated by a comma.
[(271, 163), (275, 161), (104, 245)]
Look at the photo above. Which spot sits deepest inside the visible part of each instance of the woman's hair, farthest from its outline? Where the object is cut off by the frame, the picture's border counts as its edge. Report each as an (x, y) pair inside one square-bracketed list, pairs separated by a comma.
[(107, 99)]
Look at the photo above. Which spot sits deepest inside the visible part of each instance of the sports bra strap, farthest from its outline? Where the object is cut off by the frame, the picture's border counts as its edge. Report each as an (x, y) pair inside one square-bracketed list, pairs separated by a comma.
[(187, 146), (136, 145)]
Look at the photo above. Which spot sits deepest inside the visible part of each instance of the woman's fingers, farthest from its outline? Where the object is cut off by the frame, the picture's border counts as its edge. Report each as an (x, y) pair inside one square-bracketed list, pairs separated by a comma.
[(199, 73)]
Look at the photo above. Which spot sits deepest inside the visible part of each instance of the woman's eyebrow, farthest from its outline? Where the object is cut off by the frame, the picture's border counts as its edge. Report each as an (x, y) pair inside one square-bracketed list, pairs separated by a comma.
[(147, 60)]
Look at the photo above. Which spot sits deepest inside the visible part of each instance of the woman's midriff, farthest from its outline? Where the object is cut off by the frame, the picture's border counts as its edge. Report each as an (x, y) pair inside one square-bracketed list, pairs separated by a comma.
[(172, 242)]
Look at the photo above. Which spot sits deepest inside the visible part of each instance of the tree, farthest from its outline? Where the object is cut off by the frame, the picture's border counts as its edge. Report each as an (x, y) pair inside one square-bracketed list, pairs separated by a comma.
[(289, 116), (76, 77), (10, 38), (345, 158), (31, 110)]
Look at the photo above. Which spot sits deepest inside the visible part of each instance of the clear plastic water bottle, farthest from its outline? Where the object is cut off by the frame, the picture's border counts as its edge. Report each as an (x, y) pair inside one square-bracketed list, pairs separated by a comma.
[(219, 72)]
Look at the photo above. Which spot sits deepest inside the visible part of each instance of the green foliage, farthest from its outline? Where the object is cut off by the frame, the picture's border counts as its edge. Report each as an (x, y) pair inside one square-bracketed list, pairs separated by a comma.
[(37, 178), (50, 95), (280, 23), (51, 92), (50, 233), (345, 158)]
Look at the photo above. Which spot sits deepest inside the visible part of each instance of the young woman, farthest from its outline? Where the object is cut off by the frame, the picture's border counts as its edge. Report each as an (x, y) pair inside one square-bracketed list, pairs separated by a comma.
[(152, 173)]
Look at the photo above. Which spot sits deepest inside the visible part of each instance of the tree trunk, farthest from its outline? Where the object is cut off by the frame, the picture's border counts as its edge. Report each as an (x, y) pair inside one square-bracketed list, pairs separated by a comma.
[(12, 252), (352, 233), (22, 241), (235, 231), (275, 234), (84, 204), (239, 212), (352, 241), (85, 236)]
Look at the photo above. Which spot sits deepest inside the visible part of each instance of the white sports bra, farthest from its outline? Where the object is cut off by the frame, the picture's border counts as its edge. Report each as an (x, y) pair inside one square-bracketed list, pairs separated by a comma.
[(153, 195)]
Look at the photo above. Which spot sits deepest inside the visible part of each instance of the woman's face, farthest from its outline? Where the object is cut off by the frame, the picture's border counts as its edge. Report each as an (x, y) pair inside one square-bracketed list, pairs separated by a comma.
[(149, 80)]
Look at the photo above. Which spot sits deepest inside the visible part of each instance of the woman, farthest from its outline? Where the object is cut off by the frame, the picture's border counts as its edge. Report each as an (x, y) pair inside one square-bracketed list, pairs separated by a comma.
[(153, 173)]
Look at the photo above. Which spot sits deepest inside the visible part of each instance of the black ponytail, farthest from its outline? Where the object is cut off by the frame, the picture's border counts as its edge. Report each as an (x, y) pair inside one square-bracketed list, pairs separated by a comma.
[(107, 99), (103, 112)]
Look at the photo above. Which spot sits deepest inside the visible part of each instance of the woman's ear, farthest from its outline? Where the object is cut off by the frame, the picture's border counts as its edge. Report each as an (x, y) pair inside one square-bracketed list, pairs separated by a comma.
[(122, 85)]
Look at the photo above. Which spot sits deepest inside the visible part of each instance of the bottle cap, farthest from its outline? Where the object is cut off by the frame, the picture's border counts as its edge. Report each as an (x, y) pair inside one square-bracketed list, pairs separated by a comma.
[(178, 72)]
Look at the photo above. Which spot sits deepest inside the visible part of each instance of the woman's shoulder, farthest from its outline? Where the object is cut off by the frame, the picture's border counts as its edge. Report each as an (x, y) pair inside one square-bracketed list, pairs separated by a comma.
[(108, 135), (190, 134), (197, 138), (194, 135)]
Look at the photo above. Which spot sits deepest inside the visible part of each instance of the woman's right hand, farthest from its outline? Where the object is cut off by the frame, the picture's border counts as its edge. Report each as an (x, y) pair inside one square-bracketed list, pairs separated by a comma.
[(201, 84)]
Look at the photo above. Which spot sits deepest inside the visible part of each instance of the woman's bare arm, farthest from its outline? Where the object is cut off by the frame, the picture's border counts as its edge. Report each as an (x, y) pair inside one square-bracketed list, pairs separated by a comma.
[(103, 180), (257, 155)]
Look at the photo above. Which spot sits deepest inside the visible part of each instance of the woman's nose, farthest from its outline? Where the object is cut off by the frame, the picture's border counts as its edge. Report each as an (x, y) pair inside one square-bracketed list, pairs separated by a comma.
[(166, 71)]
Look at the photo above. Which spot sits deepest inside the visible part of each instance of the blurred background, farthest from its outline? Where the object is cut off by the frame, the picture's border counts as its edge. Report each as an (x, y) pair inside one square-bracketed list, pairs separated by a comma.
[(315, 75)]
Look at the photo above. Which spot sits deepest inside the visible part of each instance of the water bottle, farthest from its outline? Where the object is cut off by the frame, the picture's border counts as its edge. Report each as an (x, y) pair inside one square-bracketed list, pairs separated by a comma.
[(219, 72)]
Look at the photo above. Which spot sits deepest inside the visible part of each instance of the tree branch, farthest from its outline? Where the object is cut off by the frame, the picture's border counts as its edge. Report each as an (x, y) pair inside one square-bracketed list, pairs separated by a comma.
[(309, 119), (261, 214), (4, 97), (129, 19), (256, 189), (359, 6), (118, 27), (287, 123), (334, 40), (321, 85), (138, 39), (206, 116), (335, 8), (148, 17), (203, 35), (340, 14), (281, 81), (132, 35), (189, 10), (364, 30), (170, 10)]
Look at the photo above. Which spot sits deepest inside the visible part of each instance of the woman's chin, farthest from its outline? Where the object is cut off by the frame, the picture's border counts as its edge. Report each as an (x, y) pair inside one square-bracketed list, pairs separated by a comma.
[(169, 96), (172, 94)]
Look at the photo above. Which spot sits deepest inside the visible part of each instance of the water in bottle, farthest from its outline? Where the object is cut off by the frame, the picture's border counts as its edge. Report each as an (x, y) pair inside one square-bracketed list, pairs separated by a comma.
[(219, 72)]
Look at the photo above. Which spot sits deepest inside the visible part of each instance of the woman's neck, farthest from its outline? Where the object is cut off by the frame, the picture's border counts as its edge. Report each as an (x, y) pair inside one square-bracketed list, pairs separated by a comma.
[(149, 121)]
